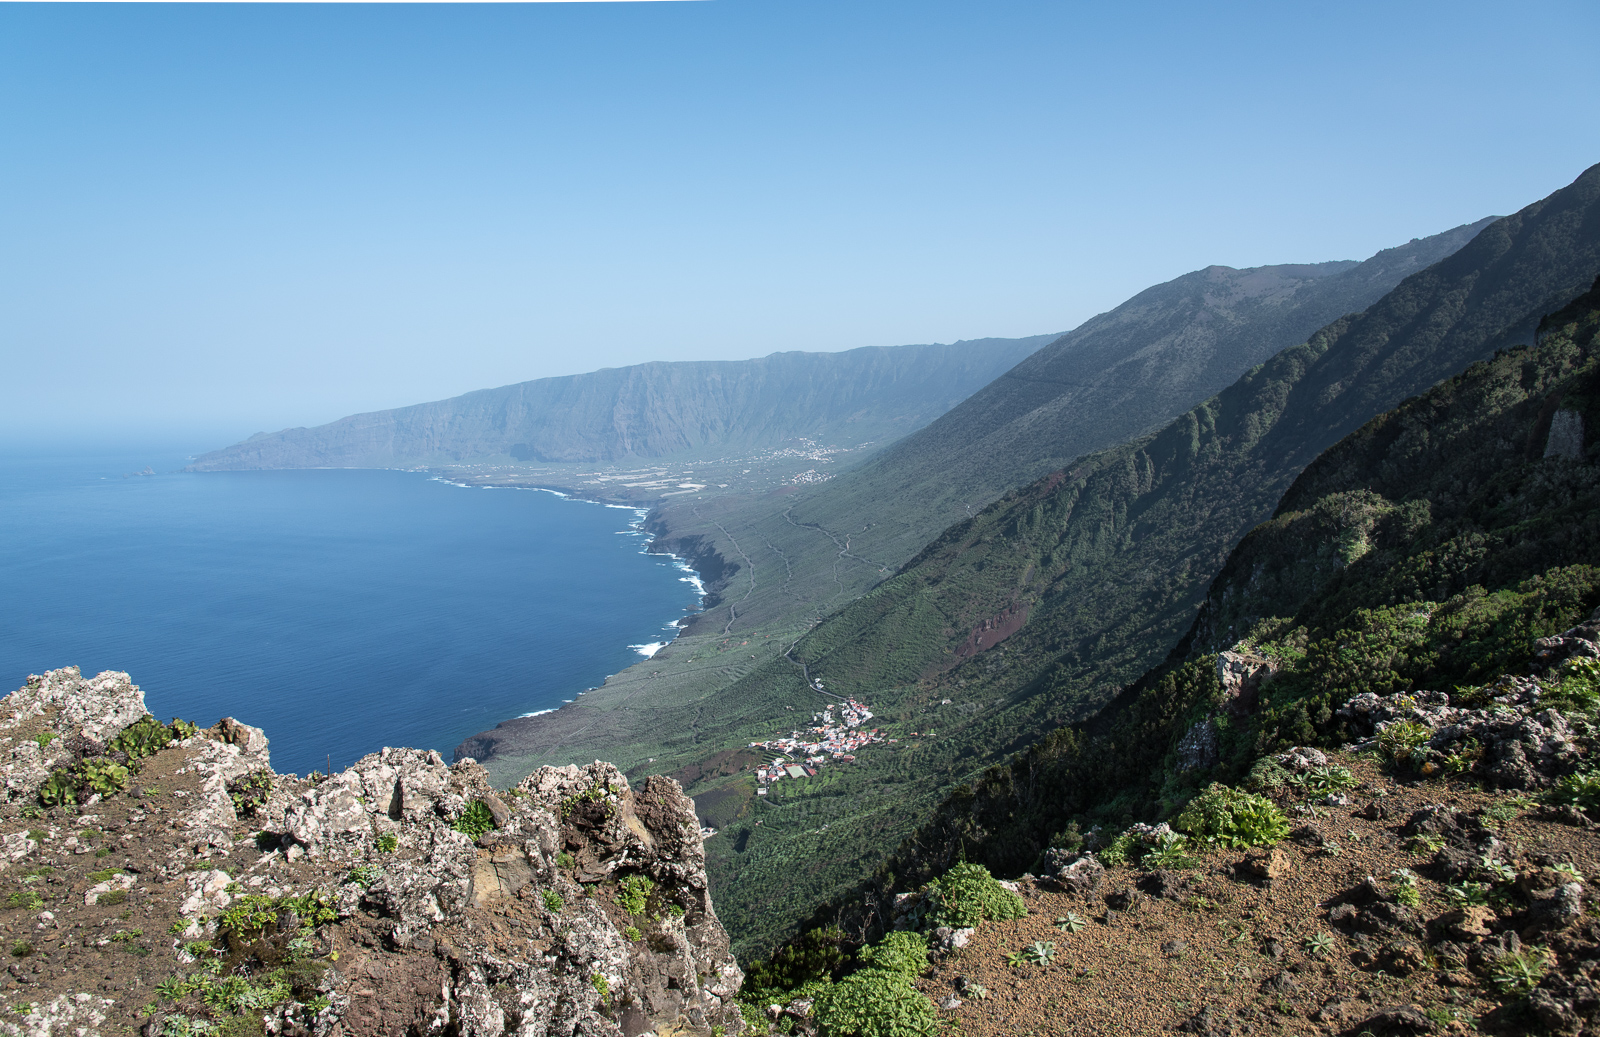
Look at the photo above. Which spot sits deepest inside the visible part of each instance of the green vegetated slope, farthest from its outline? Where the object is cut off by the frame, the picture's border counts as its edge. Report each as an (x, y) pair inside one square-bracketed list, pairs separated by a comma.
[(655, 410), (1428, 550), (1120, 374), (1037, 611), (771, 568)]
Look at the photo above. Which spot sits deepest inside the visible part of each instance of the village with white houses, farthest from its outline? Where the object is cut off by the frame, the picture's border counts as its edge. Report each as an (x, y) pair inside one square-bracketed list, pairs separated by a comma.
[(804, 751)]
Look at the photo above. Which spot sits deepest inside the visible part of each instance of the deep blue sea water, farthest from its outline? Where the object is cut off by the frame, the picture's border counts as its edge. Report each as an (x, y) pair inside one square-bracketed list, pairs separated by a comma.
[(341, 610)]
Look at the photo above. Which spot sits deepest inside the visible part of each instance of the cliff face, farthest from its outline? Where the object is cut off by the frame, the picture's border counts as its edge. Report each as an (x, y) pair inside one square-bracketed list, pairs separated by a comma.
[(164, 879), (655, 410)]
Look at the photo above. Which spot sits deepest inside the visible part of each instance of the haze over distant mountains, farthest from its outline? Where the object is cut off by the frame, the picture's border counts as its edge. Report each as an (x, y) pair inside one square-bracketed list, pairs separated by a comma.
[(1116, 376), (846, 399)]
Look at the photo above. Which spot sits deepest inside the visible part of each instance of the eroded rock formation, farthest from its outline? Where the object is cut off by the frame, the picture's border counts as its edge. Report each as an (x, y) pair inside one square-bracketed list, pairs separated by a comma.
[(164, 879)]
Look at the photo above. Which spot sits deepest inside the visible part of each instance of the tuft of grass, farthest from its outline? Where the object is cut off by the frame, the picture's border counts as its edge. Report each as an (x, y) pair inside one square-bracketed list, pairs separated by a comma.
[(364, 875), (26, 899), (1426, 844)]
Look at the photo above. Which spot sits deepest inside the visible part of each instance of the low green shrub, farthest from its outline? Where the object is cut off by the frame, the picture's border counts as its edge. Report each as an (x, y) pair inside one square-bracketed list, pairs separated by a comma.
[(1518, 973), (1322, 780), (902, 952), (1124, 849), (475, 820), (967, 894), (144, 737), (1232, 818), (251, 792), (1577, 790), (1577, 689), (253, 914), (364, 875), (60, 788), (814, 957), (1168, 852), (1266, 775), (1402, 741), (633, 894), (875, 1003), (107, 777)]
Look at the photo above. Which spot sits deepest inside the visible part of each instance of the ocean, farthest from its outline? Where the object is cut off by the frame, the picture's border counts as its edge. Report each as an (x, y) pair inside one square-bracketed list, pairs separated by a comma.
[(340, 610)]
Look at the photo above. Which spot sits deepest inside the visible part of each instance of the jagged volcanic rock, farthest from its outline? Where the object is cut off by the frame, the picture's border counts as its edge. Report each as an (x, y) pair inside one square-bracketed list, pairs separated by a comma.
[(165, 880)]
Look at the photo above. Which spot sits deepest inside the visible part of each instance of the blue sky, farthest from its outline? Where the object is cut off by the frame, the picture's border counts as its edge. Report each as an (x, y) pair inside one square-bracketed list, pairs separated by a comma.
[(216, 220)]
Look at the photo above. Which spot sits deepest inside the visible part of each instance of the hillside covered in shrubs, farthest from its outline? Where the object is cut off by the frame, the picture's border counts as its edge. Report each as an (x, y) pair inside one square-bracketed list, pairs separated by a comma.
[(1423, 605)]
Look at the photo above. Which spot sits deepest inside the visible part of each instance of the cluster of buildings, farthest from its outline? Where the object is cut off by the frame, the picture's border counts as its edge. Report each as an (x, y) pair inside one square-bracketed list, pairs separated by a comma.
[(803, 751)]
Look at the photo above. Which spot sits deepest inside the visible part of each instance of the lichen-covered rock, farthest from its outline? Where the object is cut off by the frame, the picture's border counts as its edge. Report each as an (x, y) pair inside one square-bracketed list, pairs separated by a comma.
[(400, 896), (67, 1014), (55, 718), (1519, 743)]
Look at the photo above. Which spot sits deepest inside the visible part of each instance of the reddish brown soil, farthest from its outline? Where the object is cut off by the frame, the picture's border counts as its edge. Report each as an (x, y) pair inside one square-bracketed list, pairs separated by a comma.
[(1238, 946)]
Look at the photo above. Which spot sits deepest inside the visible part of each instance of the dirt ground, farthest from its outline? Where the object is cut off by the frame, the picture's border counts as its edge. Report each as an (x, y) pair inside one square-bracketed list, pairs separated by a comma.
[(1211, 950)]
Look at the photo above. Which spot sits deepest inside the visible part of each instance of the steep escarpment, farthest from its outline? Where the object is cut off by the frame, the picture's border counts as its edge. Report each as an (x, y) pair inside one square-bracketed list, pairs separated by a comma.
[(1115, 377), (874, 394), (163, 879), (1111, 558), (1361, 797), (1443, 544)]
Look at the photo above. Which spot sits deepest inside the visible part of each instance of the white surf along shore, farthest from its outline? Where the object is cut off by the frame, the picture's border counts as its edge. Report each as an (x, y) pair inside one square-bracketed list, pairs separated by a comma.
[(635, 529)]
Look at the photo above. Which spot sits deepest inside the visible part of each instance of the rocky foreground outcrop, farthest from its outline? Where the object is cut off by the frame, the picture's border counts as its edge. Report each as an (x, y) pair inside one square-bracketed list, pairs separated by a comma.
[(164, 880)]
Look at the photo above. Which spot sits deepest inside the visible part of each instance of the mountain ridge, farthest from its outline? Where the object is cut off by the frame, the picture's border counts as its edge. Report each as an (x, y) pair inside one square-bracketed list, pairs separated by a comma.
[(653, 410), (1117, 375), (1114, 554)]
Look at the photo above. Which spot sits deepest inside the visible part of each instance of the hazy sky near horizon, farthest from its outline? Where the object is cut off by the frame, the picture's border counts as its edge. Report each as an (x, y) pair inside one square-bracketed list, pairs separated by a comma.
[(216, 220)]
